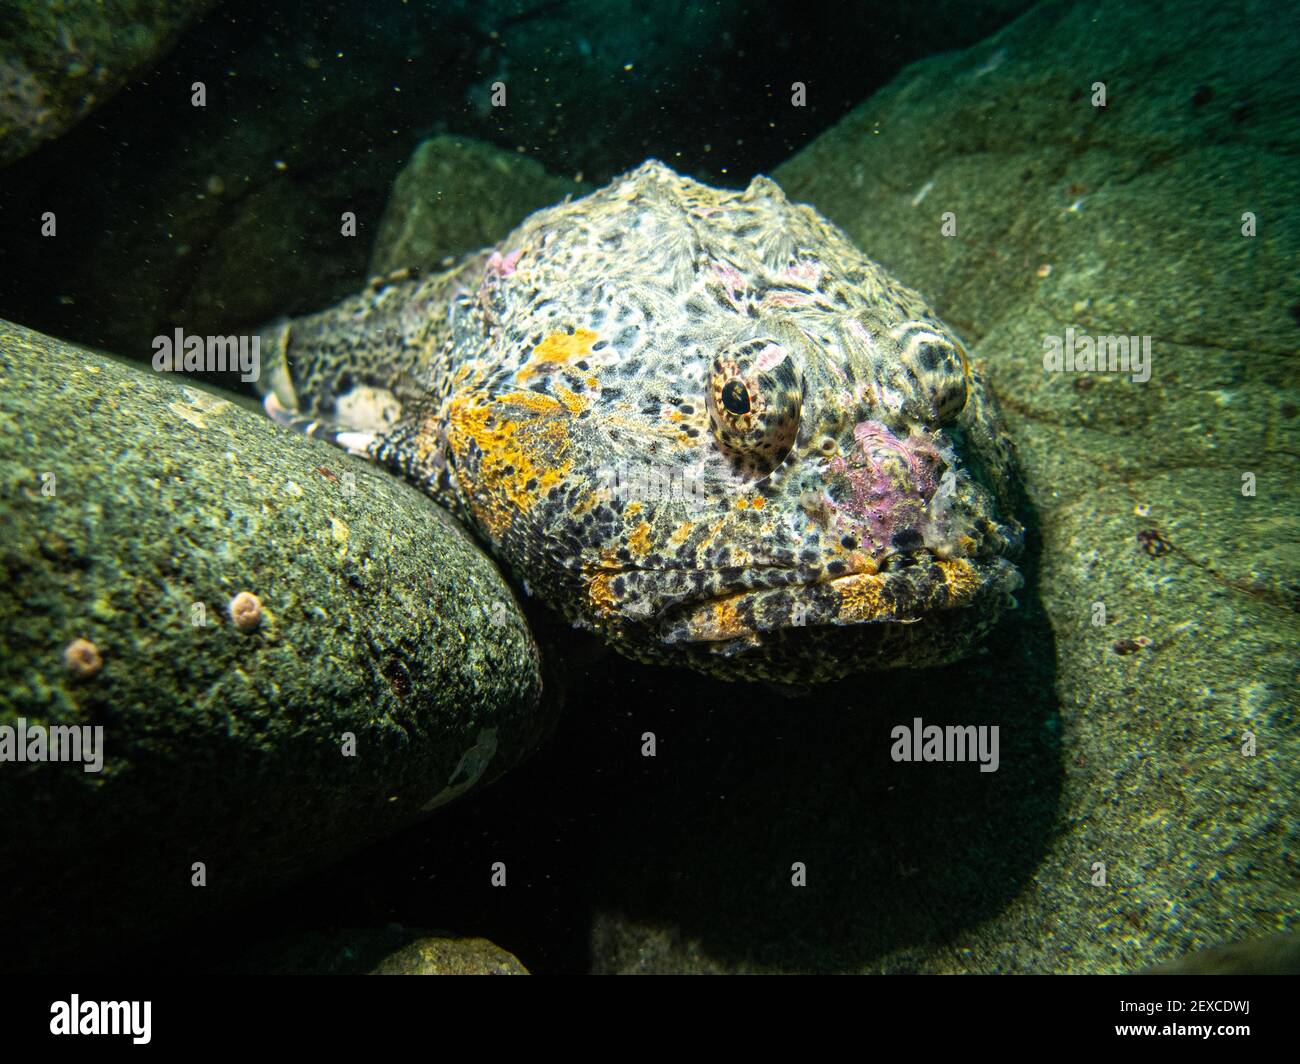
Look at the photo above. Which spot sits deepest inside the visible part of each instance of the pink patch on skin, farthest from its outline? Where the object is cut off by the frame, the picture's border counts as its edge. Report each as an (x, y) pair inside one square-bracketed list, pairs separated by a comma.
[(730, 277), (787, 299), (844, 377), (889, 480), (503, 266), (771, 355)]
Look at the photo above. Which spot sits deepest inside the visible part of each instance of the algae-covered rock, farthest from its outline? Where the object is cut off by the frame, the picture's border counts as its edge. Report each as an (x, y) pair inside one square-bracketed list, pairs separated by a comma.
[(391, 950), (450, 956), (458, 195), (288, 652), (1148, 684), (58, 61), (1272, 955)]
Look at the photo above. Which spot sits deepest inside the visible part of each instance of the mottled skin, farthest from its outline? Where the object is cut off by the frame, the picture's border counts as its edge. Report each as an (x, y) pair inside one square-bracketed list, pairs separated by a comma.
[(699, 422)]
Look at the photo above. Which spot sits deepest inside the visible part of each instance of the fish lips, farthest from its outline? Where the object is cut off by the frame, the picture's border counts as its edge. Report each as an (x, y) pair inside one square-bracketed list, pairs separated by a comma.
[(904, 594)]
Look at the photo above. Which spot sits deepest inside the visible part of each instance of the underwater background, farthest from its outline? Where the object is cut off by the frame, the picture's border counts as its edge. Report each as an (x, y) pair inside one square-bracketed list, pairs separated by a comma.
[(1120, 168)]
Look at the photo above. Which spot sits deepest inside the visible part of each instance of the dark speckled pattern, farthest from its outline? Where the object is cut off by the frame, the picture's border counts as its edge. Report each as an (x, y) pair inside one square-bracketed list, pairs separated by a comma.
[(697, 421)]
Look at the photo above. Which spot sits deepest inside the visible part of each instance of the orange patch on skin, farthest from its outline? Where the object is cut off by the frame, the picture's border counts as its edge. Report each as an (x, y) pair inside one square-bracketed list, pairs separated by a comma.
[(759, 502), (639, 541), (522, 438), (860, 562), (573, 402), (720, 620), (862, 598), (680, 533), (557, 350), (961, 580), (600, 594)]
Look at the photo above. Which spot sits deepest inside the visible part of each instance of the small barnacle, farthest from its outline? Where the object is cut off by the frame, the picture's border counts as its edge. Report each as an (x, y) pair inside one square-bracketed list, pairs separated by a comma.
[(1125, 646), (1153, 542), (815, 505), (246, 611), (81, 656), (1143, 640), (1141, 509)]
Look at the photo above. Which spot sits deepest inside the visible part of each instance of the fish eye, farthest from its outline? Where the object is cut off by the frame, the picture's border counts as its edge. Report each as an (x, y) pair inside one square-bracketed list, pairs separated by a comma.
[(754, 399), (937, 365), (735, 397)]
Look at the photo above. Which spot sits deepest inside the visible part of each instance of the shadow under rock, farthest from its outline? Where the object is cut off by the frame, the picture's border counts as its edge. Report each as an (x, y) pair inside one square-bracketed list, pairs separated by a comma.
[(697, 842)]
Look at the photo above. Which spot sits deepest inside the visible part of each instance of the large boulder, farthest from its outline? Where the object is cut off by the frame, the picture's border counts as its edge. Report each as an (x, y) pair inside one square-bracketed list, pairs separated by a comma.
[(455, 196), (288, 652), (390, 950)]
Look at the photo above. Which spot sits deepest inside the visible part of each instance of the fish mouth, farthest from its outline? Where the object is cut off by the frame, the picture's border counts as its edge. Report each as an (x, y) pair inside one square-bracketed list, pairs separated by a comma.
[(922, 586)]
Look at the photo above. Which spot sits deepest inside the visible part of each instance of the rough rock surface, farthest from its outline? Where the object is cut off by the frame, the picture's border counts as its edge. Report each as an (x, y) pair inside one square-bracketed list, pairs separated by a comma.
[(450, 956), (58, 61), (391, 950), (223, 744), (456, 196)]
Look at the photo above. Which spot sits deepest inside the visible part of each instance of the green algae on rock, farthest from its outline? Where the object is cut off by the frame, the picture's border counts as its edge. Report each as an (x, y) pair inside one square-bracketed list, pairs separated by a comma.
[(388, 671), (450, 956), (390, 950), (455, 196)]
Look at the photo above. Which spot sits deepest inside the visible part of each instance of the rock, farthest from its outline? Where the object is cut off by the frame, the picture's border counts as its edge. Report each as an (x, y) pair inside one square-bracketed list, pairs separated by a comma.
[(456, 196), (450, 956), (1161, 743), (1273, 955), (58, 62), (246, 600), (392, 950)]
